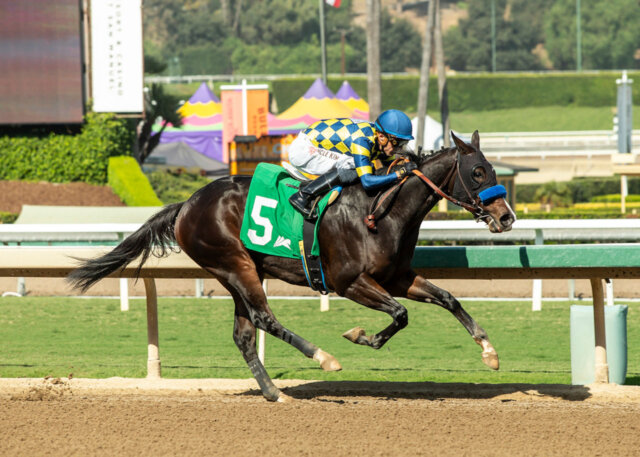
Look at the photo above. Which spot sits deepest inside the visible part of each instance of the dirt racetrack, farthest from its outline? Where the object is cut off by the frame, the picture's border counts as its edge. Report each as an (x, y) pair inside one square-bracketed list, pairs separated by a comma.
[(228, 417)]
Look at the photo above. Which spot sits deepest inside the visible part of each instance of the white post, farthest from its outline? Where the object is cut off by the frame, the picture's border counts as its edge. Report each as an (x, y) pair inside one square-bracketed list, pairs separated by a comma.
[(324, 303), (199, 288), (261, 339), (154, 370), (609, 289), (601, 364), (21, 288), (572, 289), (624, 191), (536, 294), (124, 294), (536, 303)]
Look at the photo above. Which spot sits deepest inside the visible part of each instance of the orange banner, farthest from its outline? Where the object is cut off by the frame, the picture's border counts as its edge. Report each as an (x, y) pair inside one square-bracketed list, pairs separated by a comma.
[(231, 118), (233, 115), (258, 107)]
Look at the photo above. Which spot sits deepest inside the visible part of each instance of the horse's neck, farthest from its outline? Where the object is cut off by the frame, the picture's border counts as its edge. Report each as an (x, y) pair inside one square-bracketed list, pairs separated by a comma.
[(418, 198)]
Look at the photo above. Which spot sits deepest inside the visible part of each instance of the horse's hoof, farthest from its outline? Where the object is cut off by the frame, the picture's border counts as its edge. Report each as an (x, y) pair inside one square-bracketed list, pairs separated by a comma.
[(491, 360), (353, 334), (327, 361), (489, 354), (283, 398)]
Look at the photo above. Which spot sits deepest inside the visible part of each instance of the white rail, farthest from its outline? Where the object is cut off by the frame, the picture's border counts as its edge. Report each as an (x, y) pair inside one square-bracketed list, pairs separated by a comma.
[(23, 233), (537, 230), (523, 230)]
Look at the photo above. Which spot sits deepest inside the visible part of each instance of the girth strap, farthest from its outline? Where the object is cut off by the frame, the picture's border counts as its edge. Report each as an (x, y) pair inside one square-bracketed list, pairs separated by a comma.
[(311, 263)]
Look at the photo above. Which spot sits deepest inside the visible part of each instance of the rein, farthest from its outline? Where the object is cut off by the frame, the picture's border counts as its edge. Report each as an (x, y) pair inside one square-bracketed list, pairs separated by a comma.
[(370, 219), (475, 209)]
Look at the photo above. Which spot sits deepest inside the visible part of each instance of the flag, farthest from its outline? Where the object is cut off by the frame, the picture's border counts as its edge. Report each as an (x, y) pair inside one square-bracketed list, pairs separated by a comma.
[(334, 3)]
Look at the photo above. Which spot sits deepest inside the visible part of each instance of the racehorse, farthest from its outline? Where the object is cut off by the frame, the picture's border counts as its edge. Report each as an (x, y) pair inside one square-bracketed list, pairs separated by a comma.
[(369, 266)]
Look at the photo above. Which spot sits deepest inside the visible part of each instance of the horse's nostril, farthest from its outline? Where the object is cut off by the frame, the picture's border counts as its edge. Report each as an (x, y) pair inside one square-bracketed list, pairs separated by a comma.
[(506, 220)]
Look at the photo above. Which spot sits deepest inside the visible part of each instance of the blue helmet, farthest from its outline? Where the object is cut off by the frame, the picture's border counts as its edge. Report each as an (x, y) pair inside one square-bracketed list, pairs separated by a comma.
[(395, 123)]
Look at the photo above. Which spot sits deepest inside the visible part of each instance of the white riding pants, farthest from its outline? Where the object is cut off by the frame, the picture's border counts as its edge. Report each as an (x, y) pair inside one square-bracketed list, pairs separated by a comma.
[(311, 159)]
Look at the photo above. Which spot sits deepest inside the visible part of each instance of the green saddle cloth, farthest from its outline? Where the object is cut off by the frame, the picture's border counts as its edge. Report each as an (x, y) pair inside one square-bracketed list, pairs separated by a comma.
[(271, 225)]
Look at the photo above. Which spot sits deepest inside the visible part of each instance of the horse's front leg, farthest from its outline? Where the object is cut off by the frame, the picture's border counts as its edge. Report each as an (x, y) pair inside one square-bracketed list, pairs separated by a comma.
[(366, 291), (418, 288)]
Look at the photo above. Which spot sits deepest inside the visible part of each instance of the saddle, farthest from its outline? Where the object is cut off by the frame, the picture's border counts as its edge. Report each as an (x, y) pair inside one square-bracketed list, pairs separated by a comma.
[(273, 227)]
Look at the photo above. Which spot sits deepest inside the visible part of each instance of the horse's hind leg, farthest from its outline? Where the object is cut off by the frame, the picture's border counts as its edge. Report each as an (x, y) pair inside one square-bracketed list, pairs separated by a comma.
[(244, 335), (252, 308), (418, 288)]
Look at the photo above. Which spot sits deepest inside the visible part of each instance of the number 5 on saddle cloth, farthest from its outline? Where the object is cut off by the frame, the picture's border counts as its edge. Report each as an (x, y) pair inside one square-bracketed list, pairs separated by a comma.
[(273, 227)]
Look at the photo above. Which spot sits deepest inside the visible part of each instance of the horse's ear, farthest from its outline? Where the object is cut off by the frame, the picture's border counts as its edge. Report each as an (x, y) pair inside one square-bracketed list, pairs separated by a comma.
[(475, 140), (461, 145)]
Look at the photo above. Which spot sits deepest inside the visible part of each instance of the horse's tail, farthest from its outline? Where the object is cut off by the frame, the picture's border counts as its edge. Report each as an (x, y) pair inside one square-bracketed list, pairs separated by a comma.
[(155, 237)]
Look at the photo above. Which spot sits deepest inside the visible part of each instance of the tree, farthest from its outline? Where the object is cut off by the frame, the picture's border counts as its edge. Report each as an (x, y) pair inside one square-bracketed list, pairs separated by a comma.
[(610, 34), (157, 105), (153, 60), (518, 31), (554, 194), (400, 44), (215, 36)]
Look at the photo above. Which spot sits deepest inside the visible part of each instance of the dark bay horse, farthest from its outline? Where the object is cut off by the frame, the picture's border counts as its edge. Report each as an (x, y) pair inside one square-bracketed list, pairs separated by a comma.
[(368, 267)]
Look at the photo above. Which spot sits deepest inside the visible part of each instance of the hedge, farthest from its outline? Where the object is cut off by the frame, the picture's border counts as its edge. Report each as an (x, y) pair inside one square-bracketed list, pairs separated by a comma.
[(615, 198), (582, 189), (173, 186), (66, 157), (7, 218), (130, 184), (477, 92)]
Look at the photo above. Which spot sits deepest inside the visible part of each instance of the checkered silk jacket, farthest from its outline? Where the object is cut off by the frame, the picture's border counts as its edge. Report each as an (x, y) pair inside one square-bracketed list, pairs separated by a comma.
[(348, 136)]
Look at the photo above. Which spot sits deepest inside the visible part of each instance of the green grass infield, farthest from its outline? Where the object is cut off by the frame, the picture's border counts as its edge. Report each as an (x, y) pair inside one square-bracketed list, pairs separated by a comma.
[(92, 338)]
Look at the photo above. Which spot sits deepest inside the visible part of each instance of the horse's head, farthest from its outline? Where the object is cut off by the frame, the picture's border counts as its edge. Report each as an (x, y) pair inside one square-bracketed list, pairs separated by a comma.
[(476, 185)]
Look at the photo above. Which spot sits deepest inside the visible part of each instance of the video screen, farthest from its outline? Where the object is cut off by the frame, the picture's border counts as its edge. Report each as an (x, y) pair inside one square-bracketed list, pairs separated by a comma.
[(40, 62)]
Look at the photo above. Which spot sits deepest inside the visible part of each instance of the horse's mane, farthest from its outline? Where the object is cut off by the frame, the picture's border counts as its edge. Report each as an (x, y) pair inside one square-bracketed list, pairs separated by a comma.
[(420, 158)]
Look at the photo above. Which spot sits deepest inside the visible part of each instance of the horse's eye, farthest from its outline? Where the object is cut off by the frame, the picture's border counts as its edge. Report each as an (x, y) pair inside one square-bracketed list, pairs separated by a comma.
[(479, 174)]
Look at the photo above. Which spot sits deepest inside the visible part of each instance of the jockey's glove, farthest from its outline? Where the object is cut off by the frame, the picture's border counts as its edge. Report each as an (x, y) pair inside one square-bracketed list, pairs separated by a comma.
[(404, 169)]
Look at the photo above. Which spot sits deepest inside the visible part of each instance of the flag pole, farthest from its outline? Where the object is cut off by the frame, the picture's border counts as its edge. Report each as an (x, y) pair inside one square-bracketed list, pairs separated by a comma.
[(322, 43)]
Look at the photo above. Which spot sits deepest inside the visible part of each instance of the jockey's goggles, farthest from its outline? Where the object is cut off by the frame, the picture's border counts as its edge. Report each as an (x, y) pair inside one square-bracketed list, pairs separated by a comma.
[(397, 142)]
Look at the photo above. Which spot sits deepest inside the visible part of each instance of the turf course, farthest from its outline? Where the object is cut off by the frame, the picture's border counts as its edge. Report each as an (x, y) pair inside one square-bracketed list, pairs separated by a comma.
[(92, 338)]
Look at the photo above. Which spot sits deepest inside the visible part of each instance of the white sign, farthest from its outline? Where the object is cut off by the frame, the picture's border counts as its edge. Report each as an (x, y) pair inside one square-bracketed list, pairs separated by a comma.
[(116, 56)]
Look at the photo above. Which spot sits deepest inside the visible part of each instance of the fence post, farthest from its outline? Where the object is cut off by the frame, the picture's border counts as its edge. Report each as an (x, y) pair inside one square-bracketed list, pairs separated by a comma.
[(199, 288), (536, 294), (601, 365), (153, 349), (124, 294)]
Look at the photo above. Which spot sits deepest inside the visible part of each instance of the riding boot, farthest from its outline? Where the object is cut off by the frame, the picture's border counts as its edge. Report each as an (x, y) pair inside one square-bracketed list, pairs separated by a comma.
[(302, 199)]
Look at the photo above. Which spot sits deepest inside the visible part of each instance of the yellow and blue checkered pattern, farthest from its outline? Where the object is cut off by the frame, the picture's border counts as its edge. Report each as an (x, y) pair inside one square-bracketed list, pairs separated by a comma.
[(347, 136)]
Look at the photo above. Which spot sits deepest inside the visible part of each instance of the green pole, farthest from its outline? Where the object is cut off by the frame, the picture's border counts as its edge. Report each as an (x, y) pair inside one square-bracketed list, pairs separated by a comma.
[(578, 38)]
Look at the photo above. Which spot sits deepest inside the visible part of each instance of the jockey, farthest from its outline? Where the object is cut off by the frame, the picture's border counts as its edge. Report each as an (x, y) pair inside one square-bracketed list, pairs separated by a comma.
[(342, 150)]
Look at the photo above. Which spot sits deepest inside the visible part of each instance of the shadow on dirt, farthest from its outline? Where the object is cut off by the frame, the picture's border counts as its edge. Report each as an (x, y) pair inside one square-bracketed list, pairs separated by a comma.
[(438, 391)]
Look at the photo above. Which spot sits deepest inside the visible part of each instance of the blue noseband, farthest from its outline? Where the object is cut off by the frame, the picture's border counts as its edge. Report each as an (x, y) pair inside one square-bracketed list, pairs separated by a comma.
[(492, 193)]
